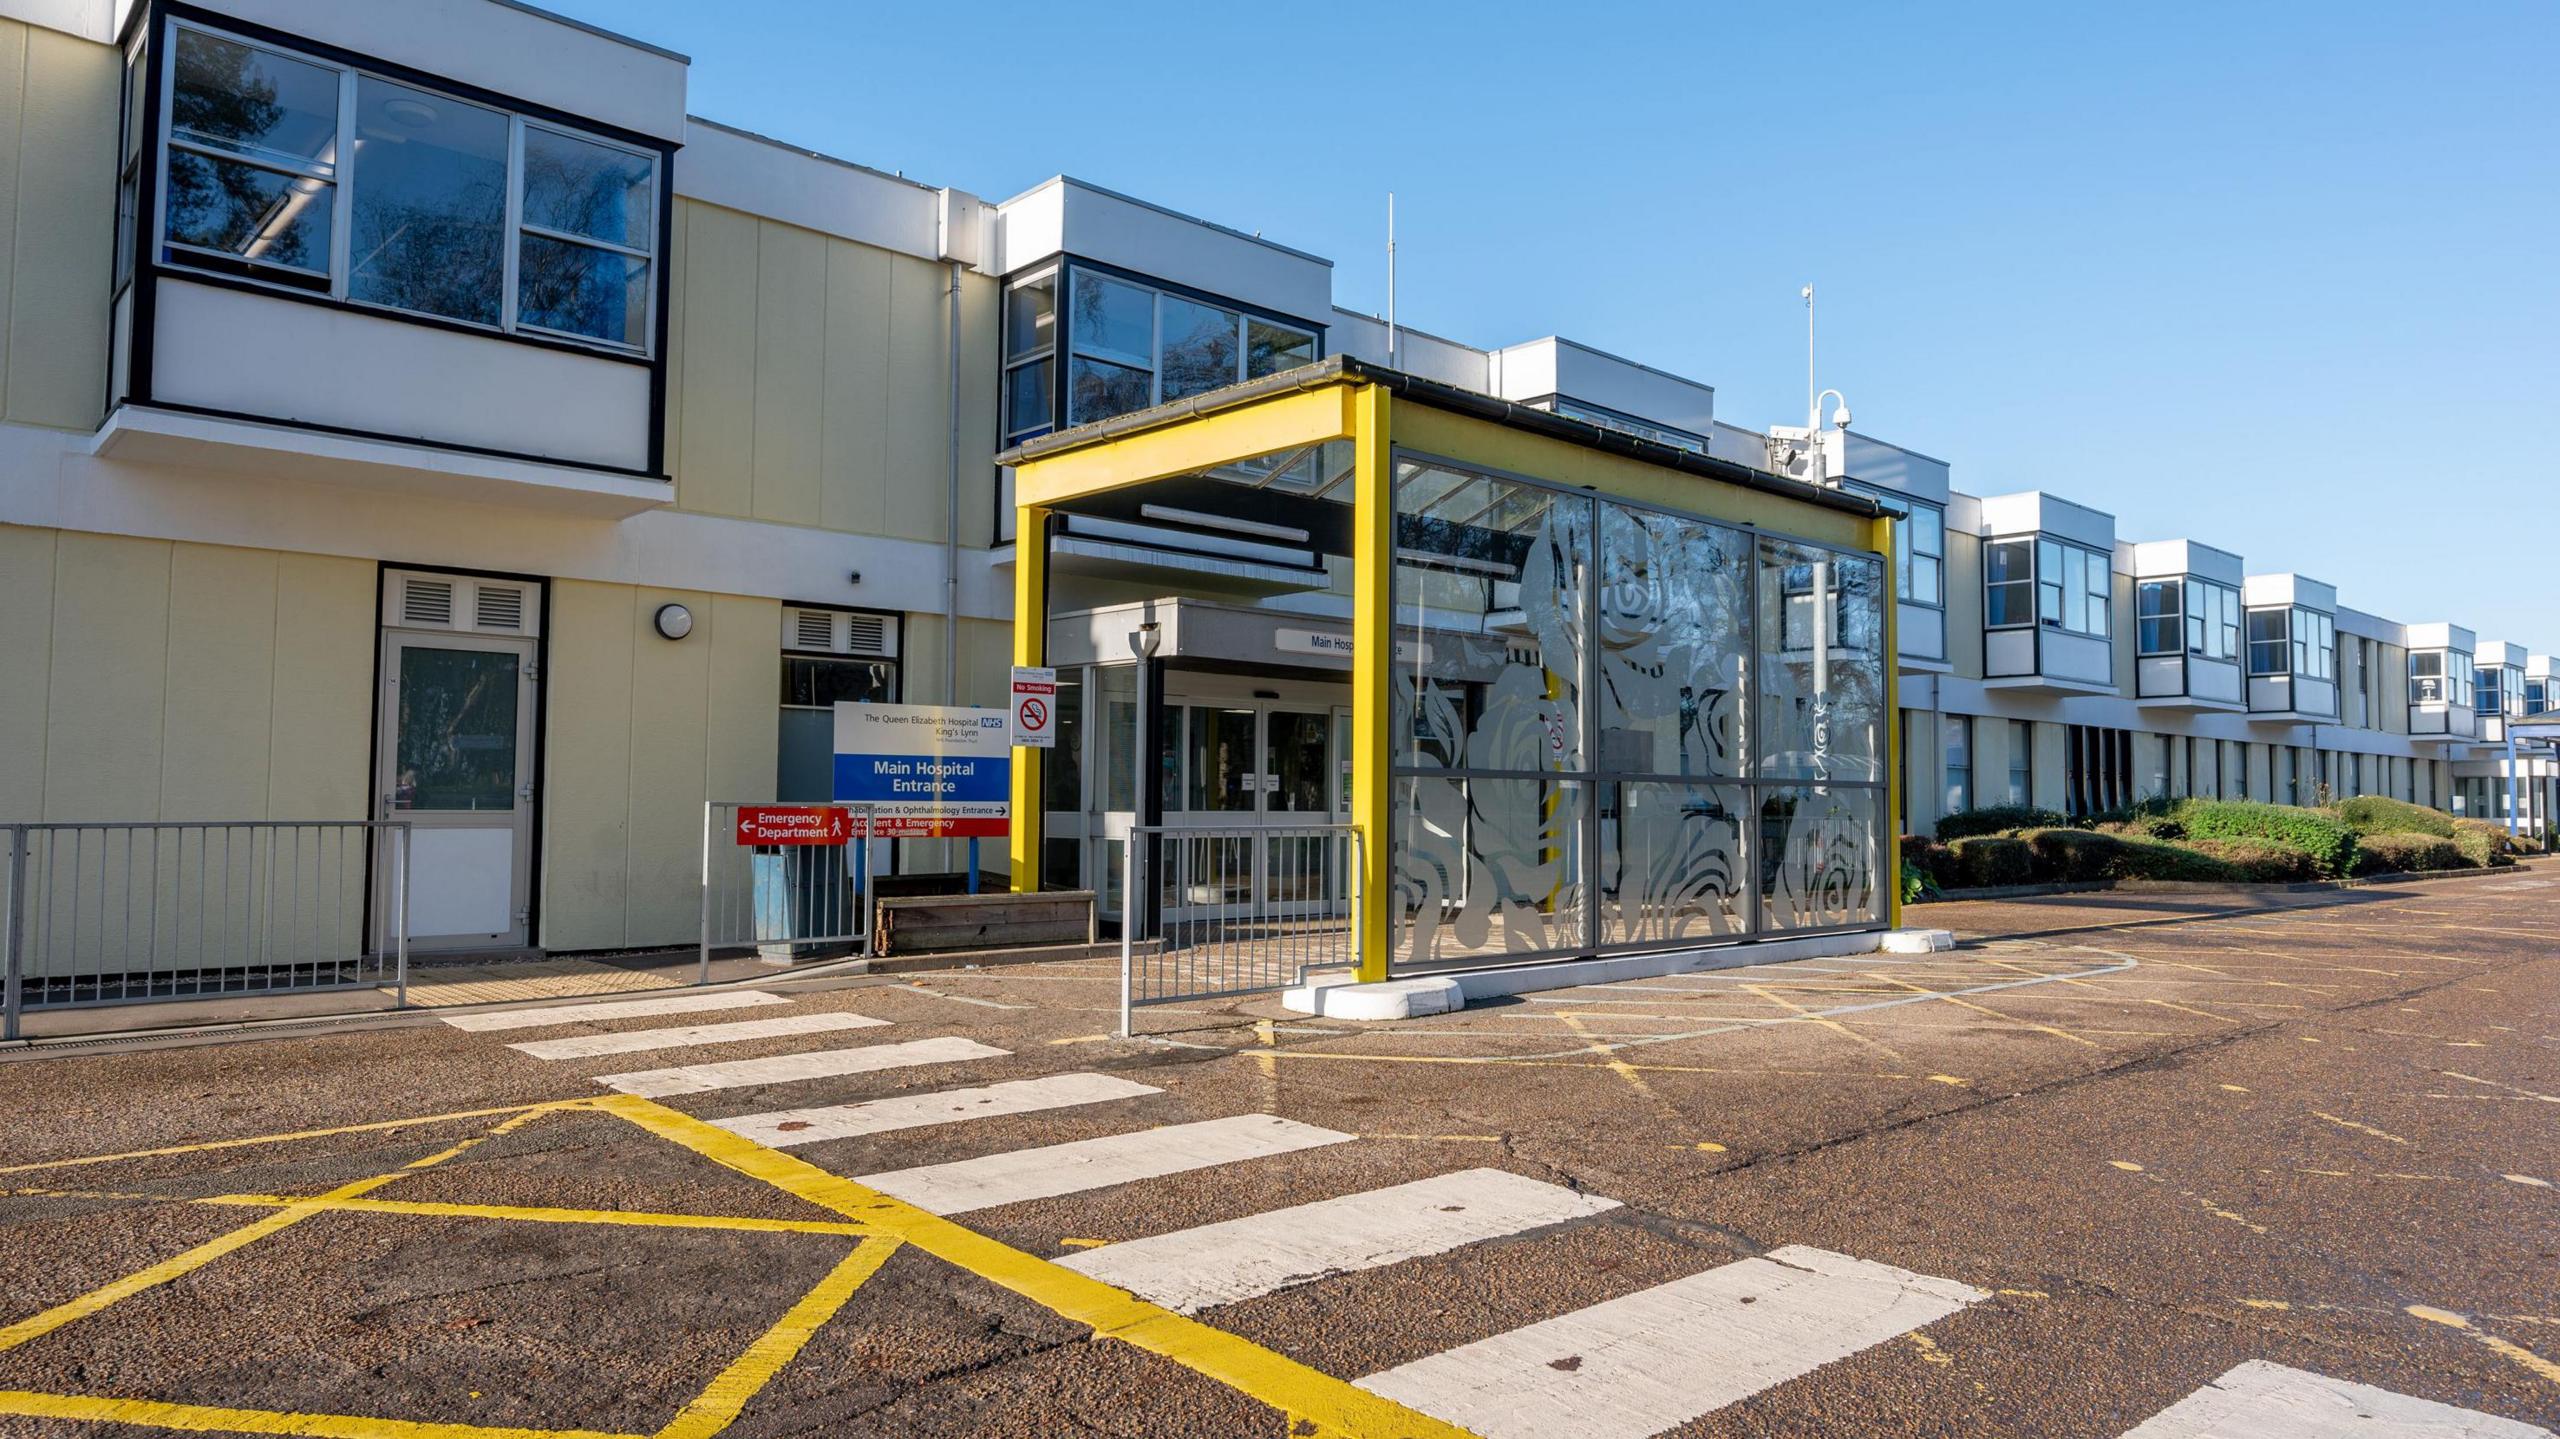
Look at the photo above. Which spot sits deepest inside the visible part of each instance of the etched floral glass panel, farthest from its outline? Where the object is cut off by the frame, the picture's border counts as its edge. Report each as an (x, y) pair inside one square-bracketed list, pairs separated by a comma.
[(1820, 714), (1671, 864), (1674, 630), (1487, 868), (1818, 849)]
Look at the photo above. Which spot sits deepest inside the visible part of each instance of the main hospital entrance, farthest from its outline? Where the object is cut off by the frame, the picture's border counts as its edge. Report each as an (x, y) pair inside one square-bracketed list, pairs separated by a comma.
[(1542, 691)]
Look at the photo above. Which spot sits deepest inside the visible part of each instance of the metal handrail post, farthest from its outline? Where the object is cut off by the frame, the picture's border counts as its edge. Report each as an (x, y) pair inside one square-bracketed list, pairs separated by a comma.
[(702, 971), (862, 887), (14, 943), (400, 919), (1128, 922)]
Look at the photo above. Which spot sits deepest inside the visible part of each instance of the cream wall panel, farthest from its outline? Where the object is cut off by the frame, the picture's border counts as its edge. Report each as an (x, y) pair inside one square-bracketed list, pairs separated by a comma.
[(2262, 773), (2205, 768), (1990, 761), (855, 440), (586, 804), (919, 400), (2395, 690), (108, 694), (790, 371), (1924, 759), (1964, 604), (679, 250), (981, 335), (2050, 741), (715, 472), (321, 765), (746, 687), (13, 104), (26, 661), (2123, 633), (63, 248), (217, 729), (669, 705)]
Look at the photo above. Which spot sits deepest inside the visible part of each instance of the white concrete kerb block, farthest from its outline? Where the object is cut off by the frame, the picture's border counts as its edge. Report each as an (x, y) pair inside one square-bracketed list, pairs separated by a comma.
[(1918, 941), (1340, 997)]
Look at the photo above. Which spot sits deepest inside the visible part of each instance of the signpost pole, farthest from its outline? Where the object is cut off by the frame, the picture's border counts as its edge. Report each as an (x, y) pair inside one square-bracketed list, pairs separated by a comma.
[(973, 864)]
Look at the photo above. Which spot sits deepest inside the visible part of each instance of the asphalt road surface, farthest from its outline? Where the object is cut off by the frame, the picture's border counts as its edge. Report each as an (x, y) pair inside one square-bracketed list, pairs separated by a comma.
[(2165, 1166)]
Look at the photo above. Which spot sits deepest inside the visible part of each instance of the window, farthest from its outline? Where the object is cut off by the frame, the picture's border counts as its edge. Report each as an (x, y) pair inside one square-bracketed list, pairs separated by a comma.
[(1130, 345), (2485, 699), (2440, 677), (2213, 620), (2009, 582), (1959, 746), (1609, 419), (2269, 651), (1919, 546), (2022, 762), (321, 178), (129, 151), (2536, 696), (2159, 607), (2071, 588), (1030, 357), (2097, 769), (816, 674), (2315, 644)]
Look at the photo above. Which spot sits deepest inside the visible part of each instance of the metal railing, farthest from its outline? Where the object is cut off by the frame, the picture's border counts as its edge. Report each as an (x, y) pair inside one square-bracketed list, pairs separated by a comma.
[(137, 913), (788, 900), (1241, 909)]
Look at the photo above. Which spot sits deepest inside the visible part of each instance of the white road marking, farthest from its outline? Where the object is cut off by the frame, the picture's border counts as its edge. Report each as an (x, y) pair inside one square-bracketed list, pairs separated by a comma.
[(782, 1068), (784, 1128), (1192, 1269), (619, 1009), (1635, 1366), (1055, 1169), (632, 1041), (2259, 1400)]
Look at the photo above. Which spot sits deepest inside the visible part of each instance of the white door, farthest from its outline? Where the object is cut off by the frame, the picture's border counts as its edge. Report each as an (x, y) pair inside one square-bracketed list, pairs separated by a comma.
[(457, 749)]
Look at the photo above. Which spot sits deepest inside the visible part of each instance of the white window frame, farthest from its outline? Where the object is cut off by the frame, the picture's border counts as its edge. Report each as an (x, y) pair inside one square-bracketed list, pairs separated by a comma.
[(1076, 348), (342, 178)]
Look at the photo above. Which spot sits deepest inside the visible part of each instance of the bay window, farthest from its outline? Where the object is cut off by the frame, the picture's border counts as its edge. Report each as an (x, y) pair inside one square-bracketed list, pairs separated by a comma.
[(1126, 345), (2269, 643), (2072, 587), (2009, 584), (2315, 644), (2213, 620), (2158, 607), (313, 176), (2440, 677), (1919, 545)]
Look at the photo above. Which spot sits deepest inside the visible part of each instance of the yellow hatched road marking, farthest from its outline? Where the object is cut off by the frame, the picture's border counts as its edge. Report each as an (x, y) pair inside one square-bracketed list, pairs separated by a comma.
[(534, 1214), (207, 1419), (1304, 1393), (720, 1402), (378, 1126)]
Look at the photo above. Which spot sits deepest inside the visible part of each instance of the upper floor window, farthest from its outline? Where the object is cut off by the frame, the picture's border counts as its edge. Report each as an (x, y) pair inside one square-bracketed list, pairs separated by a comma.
[(2315, 644), (313, 176), (2008, 584), (2072, 588), (2536, 696), (1919, 546), (2440, 677), (2213, 620), (2159, 607), (2502, 690), (1609, 419), (1126, 346)]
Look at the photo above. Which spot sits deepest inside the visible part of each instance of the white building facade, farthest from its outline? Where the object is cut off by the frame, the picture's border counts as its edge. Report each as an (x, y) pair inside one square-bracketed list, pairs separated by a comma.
[(409, 410)]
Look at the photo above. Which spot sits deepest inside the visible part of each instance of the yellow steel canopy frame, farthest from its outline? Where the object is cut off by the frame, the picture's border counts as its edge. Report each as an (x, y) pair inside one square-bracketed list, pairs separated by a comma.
[(1357, 410)]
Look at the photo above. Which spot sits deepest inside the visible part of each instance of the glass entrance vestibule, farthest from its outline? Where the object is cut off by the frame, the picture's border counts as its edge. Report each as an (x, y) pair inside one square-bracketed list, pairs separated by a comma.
[(1602, 695), (1246, 761)]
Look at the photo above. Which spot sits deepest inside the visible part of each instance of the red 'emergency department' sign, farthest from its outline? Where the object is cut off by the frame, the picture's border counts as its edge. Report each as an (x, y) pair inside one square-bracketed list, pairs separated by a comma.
[(793, 824)]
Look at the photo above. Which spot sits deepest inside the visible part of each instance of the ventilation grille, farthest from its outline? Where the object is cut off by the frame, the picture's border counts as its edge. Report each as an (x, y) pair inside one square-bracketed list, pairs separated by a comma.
[(836, 632), (461, 603), (426, 602), (499, 607)]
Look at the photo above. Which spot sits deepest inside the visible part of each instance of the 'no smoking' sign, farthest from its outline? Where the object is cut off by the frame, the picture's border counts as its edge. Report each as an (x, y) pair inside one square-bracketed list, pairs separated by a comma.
[(1035, 712)]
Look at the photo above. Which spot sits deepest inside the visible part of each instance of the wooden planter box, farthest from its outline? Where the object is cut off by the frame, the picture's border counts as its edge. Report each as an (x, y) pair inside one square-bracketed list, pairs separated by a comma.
[(935, 923)]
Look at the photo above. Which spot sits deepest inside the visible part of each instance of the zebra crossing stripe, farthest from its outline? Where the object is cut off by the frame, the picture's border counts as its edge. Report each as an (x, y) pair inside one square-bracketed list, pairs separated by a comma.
[(1056, 1169), (633, 1041), (616, 1009), (784, 1128), (1192, 1269), (2259, 1400), (784, 1068), (1658, 1358)]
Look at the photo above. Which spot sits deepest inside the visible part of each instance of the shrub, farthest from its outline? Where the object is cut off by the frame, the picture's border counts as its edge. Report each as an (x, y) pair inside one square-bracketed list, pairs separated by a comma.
[(2406, 854), (1995, 819), (2074, 854), (1986, 861), (2373, 814), (2330, 844), (2260, 861), (1931, 858), (1917, 886), (2500, 842)]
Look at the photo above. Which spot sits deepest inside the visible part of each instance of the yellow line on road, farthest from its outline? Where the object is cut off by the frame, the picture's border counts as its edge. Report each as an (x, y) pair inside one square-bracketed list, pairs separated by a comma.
[(2006, 1018), (2359, 1128), (1331, 1405), (2517, 1352), (639, 1219), (207, 1419), (1827, 1022), (720, 1402), (177, 1266), (212, 1144)]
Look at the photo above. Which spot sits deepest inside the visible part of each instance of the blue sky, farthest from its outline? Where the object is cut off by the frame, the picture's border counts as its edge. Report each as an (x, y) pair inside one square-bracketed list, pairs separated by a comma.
[(2277, 277)]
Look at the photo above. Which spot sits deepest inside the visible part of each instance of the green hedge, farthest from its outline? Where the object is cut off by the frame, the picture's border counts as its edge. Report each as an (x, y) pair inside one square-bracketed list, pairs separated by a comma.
[(2331, 845), (2373, 814), (1988, 860), (1932, 859), (2261, 861), (2067, 855), (1995, 819), (2406, 854)]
